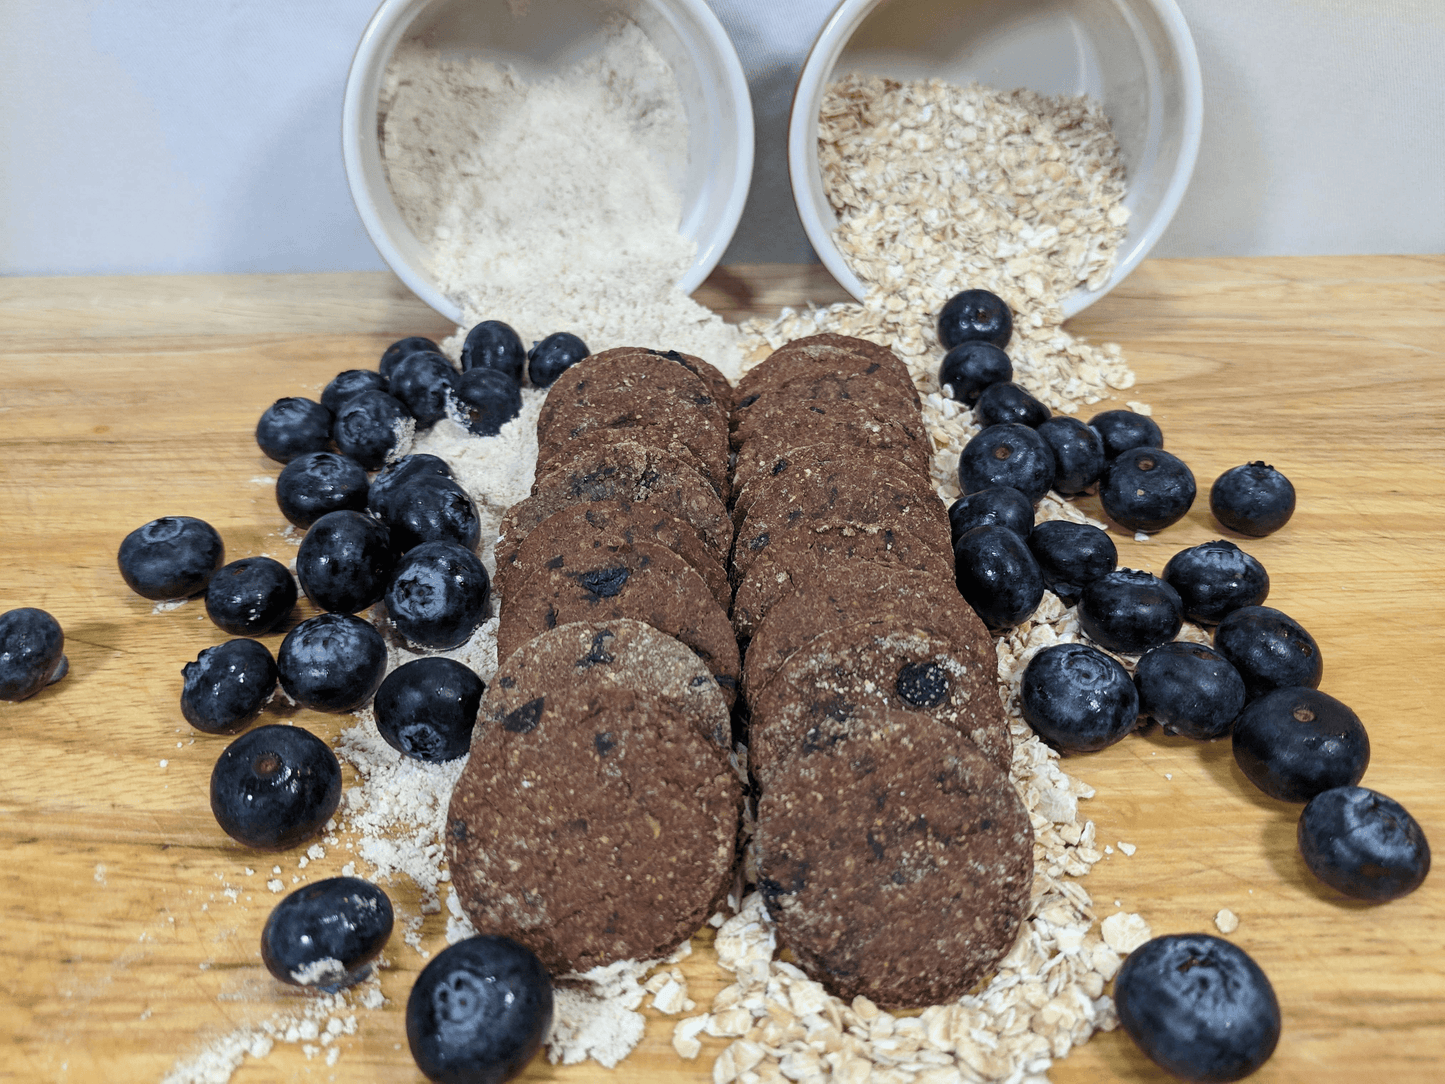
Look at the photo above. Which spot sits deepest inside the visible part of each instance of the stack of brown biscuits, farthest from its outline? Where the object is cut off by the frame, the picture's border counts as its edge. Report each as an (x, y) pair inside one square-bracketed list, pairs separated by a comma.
[(893, 851)]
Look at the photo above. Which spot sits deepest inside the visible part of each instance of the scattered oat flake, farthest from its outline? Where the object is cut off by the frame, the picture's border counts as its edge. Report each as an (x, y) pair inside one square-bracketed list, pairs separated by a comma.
[(1127, 848), (1124, 932), (1226, 921)]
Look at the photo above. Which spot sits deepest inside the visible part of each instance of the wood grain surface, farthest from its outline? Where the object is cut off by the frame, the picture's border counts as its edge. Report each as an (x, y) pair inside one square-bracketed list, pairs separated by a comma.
[(124, 399)]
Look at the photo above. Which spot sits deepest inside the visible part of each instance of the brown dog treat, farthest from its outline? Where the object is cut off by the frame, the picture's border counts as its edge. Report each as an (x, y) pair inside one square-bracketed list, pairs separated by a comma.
[(916, 883), (590, 527), (886, 662), (708, 373), (644, 582), (819, 383), (815, 557), (783, 363), (649, 376), (604, 830), (663, 425), (850, 423), (809, 459), (624, 471)]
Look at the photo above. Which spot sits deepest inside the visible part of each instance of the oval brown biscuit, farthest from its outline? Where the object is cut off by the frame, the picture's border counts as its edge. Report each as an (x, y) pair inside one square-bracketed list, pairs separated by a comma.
[(705, 371), (821, 384), (810, 458), (644, 582), (591, 526), (848, 423), (606, 831), (787, 360), (917, 882)]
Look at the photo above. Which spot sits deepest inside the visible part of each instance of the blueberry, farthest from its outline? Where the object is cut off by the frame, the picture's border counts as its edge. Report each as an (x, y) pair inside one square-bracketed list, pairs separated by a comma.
[(1270, 649), (1363, 844), (1078, 454), (553, 356), (1071, 556), (488, 399), (478, 1012), (326, 934), (1189, 689), (292, 427), (439, 595), (423, 382), (250, 597), (384, 498), (1294, 743), (402, 349), (332, 662), (32, 652), (432, 509), (494, 345), (1130, 611), (1077, 698), (427, 708), (316, 483), (1007, 455), (975, 315), (1002, 505), (997, 576), (345, 561), (970, 367), (352, 382), (1146, 489), (1253, 499), (170, 558), (371, 427), (1120, 430), (1198, 1007), (275, 787), (1214, 579), (225, 689), (1008, 402)]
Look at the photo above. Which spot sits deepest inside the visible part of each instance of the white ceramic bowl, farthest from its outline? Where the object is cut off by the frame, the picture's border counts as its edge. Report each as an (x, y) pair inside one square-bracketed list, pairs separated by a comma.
[(1136, 57), (685, 32)]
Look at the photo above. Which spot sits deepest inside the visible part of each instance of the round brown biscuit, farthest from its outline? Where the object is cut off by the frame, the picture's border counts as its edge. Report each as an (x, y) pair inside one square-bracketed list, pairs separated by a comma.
[(557, 458), (820, 383), (705, 371), (810, 458), (783, 363), (816, 556), (659, 424), (589, 527), (917, 882), (849, 423), (883, 662), (644, 582), (648, 377), (605, 831)]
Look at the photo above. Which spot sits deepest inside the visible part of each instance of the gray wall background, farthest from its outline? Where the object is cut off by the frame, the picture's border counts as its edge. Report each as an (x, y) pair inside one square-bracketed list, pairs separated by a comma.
[(144, 136)]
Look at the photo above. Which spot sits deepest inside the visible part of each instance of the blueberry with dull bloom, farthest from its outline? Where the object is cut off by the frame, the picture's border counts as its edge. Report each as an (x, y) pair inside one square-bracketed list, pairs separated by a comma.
[(1363, 844), (424, 382), (351, 382), (402, 349), (251, 596), (372, 427), (292, 427), (1077, 698), (170, 558), (1120, 430), (32, 652), (225, 688), (316, 483)]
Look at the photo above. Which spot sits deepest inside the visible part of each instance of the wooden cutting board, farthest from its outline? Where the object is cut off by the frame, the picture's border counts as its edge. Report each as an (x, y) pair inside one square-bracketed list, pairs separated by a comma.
[(124, 399)]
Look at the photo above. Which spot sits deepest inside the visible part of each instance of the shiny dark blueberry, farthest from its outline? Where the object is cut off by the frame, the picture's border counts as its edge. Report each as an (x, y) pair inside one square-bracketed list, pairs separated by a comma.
[(1215, 578), (1294, 743), (1130, 611), (494, 345), (1077, 698), (488, 399), (551, 357), (384, 498), (1198, 1007), (1189, 689), (1253, 499), (224, 690), (1071, 556), (1270, 649), (292, 427), (170, 558), (316, 483), (423, 382), (275, 787), (997, 576), (332, 662), (1008, 402), (975, 315), (250, 597), (970, 367), (427, 708), (400, 350), (1078, 454), (326, 934), (352, 382), (1363, 844), (370, 427), (1007, 455), (433, 509), (478, 1012), (345, 561), (1002, 505), (32, 652), (1120, 430), (1146, 489), (439, 595)]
